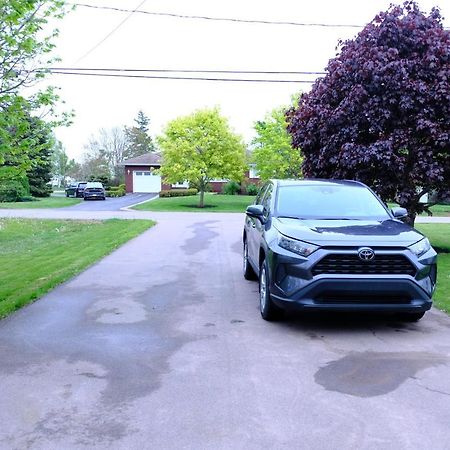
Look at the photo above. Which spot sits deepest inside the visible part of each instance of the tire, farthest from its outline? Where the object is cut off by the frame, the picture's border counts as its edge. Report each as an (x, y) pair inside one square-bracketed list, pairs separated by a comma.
[(411, 317), (249, 273), (269, 311)]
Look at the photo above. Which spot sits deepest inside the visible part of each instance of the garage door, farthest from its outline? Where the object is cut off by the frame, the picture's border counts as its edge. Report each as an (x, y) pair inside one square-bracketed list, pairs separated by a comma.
[(146, 182)]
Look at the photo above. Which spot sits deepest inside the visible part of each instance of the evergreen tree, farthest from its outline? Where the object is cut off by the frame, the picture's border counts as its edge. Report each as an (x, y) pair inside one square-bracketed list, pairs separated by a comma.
[(40, 173), (139, 141)]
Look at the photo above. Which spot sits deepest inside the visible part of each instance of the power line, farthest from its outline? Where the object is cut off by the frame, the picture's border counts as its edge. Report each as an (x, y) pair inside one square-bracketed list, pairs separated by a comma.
[(221, 19), (261, 72), (162, 77), (131, 12)]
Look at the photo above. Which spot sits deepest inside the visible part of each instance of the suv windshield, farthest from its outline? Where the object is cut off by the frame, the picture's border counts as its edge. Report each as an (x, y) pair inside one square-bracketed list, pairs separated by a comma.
[(329, 202)]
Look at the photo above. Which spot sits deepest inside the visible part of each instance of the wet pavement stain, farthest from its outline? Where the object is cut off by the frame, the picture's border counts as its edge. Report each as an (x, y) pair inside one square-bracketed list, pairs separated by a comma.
[(368, 374), (203, 235)]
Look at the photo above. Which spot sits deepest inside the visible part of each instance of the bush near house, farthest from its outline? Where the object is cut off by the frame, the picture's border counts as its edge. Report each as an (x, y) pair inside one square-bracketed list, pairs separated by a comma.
[(116, 191), (252, 189), (178, 193), (231, 188)]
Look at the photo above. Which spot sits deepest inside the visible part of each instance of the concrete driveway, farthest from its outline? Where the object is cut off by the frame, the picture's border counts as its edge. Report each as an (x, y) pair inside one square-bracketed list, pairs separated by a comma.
[(111, 203), (160, 345)]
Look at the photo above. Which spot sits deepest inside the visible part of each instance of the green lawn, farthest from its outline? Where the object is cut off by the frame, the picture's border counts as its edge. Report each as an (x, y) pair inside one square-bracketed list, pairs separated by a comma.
[(46, 202), (213, 203), (37, 255), (440, 210), (437, 210), (439, 235)]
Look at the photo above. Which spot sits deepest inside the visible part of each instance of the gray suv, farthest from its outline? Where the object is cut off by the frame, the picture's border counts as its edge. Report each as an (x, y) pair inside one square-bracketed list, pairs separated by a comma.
[(333, 245)]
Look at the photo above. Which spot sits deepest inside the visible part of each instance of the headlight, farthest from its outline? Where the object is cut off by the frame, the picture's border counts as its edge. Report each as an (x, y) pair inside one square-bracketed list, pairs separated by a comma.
[(299, 247), (421, 247)]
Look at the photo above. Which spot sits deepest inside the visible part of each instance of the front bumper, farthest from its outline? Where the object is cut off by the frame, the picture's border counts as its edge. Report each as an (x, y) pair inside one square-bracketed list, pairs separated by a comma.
[(358, 294), (294, 285)]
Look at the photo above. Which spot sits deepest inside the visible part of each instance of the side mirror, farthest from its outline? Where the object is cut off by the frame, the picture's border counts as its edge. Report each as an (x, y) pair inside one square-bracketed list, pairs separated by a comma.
[(400, 213), (256, 211)]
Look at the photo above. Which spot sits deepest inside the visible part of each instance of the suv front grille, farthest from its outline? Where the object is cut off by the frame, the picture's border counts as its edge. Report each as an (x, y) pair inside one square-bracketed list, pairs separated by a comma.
[(352, 265)]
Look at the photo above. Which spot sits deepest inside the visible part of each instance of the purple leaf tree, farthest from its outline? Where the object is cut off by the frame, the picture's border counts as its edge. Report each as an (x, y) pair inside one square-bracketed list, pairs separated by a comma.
[(381, 114)]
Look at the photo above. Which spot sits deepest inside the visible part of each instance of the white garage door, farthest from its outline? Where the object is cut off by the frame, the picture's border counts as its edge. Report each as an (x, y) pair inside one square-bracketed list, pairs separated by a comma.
[(146, 182)]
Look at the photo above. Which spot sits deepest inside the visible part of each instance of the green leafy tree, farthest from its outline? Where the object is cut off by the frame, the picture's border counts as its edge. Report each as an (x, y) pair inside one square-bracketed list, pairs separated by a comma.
[(273, 153), (62, 166), (138, 139), (36, 140), (25, 45), (199, 148)]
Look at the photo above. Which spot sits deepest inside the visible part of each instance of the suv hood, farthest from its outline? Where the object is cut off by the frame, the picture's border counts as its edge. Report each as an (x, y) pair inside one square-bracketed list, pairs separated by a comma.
[(352, 232)]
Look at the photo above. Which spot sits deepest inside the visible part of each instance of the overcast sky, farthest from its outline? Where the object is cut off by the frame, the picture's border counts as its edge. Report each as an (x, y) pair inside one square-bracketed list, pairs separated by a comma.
[(149, 42)]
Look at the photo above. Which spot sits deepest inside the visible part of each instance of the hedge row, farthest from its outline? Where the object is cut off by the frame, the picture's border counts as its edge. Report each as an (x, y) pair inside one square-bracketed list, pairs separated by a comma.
[(178, 192)]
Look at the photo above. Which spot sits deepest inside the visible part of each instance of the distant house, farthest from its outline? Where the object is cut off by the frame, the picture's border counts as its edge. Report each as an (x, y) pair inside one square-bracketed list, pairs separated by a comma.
[(142, 175)]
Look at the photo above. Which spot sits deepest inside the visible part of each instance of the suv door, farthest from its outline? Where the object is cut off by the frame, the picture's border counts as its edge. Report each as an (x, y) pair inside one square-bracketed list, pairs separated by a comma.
[(254, 227)]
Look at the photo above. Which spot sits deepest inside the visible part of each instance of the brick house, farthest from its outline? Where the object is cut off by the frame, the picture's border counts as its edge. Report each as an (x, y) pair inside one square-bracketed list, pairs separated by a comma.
[(141, 175)]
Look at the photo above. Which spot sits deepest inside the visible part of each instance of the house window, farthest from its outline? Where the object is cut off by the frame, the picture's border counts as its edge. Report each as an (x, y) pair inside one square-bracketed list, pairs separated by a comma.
[(184, 184), (252, 172)]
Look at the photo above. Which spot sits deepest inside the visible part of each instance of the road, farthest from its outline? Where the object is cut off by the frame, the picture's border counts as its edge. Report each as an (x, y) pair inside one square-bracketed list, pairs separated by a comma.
[(111, 203), (160, 345)]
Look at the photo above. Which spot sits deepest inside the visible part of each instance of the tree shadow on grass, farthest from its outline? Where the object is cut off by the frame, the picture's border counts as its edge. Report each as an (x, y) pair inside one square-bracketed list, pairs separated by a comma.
[(198, 207)]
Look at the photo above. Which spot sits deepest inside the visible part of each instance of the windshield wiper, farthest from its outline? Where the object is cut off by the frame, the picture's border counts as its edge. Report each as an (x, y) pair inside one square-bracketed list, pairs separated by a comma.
[(290, 217), (334, 218)]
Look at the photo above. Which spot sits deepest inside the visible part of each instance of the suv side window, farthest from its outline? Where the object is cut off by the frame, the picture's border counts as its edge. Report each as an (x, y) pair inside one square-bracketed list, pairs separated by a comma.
[(260, 195), (267, 200)]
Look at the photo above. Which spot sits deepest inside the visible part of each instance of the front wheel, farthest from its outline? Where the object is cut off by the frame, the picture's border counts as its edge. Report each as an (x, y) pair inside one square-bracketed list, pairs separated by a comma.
[(249, 273), (269, 311)]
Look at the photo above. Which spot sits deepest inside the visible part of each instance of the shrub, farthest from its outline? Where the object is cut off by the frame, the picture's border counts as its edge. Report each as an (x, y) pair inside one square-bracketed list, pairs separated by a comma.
[(231, 188), (252, 189), (12, 191), (178, 193), (115, 191)]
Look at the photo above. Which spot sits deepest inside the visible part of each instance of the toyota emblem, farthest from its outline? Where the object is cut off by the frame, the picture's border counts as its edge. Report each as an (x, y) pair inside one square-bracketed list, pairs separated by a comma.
[(366, 254)]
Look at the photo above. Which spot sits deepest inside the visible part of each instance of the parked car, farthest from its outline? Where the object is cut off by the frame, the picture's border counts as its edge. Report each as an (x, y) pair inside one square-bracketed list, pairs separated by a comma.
[(94, 190), (75, 189), (333, 245)]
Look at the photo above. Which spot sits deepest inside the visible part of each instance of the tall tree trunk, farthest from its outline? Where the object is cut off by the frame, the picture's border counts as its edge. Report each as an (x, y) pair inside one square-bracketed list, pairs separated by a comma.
[(202, 197), (411, 218), (202, 187)]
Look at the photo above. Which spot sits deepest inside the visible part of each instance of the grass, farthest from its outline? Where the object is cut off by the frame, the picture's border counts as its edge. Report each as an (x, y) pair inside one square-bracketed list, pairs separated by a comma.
[(46, 202), (439, 235), (37, 255), (440, 210), (213, 203)]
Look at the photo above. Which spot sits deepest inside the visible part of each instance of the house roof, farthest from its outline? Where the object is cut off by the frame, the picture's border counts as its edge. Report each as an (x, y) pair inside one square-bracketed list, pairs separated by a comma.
[(147, 159)]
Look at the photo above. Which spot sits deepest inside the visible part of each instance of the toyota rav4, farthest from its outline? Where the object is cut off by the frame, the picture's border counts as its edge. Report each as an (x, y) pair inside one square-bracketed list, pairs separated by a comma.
[(333, 245)]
